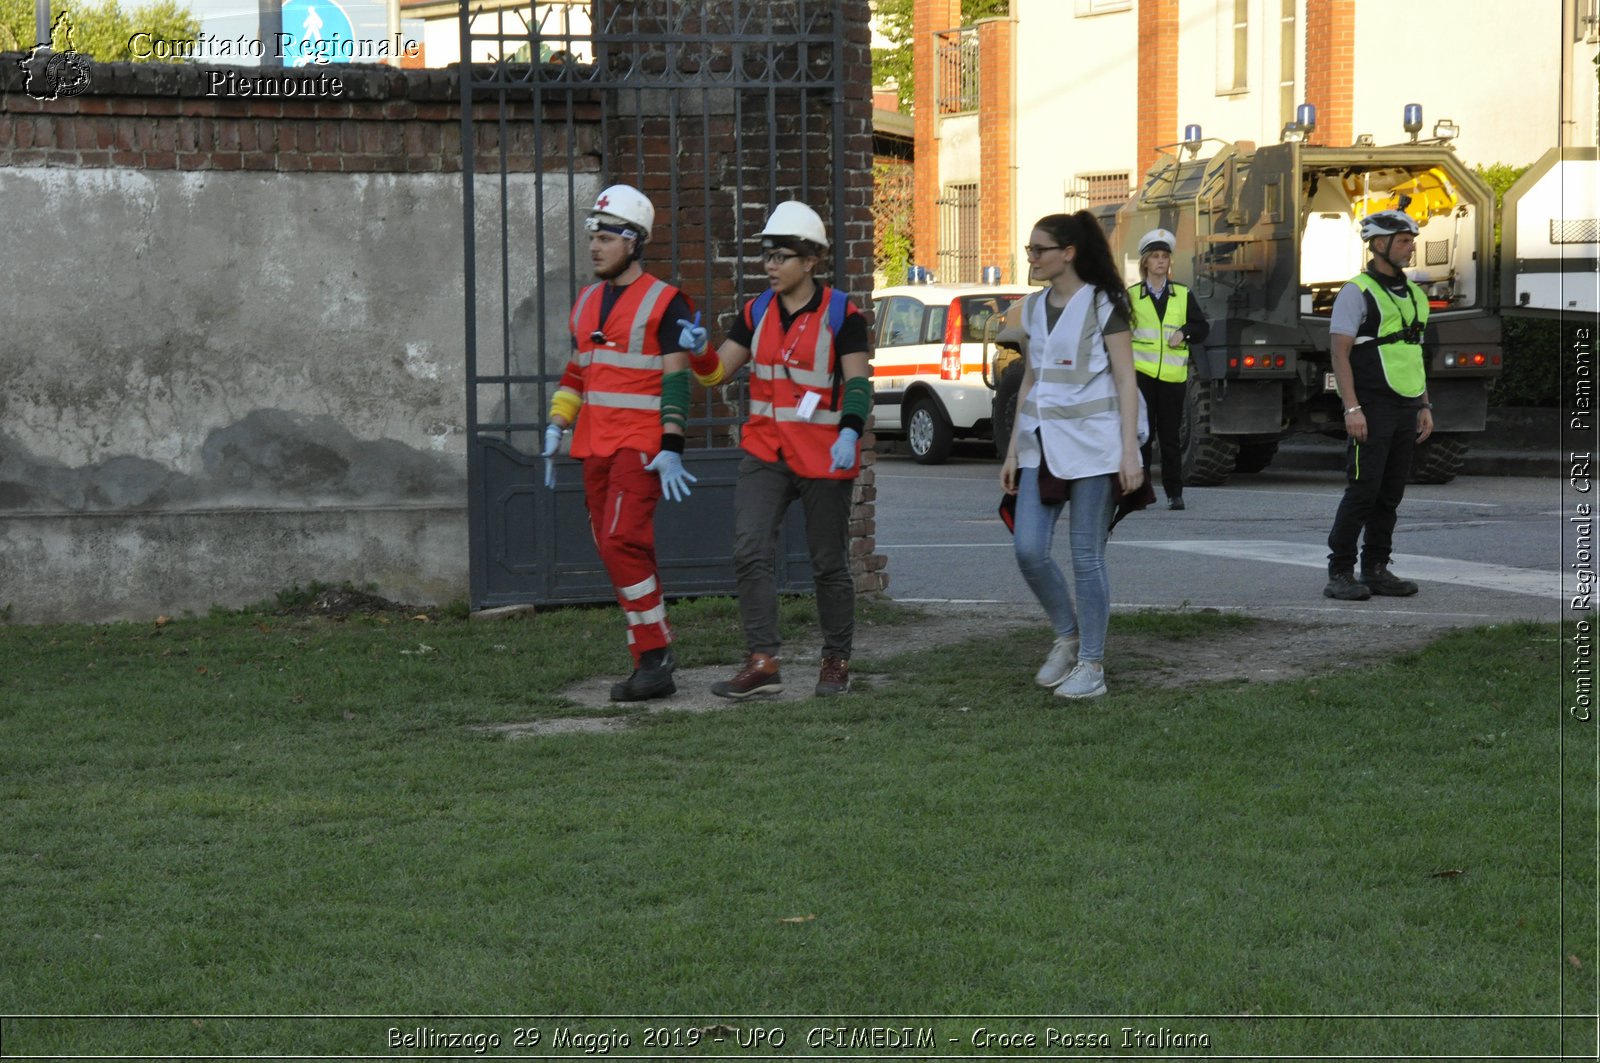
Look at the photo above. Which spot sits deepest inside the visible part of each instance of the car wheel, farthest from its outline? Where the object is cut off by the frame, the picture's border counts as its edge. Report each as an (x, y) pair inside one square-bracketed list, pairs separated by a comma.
[(1207, 459), (928, 432)]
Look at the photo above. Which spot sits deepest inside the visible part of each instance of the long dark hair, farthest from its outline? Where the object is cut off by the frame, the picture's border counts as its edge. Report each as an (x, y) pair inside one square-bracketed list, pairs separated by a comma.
[(1093, 263)]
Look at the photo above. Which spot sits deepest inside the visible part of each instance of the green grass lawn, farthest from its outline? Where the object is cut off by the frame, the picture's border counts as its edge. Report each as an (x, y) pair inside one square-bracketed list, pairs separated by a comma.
[(254, 814)]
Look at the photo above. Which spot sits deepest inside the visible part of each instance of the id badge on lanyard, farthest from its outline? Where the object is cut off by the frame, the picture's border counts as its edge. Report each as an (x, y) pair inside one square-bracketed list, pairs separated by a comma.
[(809, 400)]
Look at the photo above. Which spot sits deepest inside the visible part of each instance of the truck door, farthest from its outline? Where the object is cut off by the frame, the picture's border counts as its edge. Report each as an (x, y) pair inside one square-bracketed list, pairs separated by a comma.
[(1550, 236)]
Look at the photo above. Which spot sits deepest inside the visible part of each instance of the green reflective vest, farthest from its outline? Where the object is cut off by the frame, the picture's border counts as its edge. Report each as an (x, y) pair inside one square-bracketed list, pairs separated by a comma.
[(1151, 354), (1399, 353)]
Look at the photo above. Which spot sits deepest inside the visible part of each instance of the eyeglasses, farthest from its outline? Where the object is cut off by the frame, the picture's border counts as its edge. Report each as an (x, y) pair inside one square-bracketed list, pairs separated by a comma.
[(778, 258), (1035, 250)]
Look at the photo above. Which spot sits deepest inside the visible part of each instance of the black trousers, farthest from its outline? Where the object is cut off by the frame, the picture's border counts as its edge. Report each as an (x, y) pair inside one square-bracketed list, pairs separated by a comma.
[(1164, 399), (1376, 473)]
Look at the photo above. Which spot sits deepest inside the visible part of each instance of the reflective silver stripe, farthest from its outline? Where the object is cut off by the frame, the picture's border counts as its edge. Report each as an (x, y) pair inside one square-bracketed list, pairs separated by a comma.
[(638, 590), (649, 616), (624, 401), (581, 305), (1090, 334), (1030, 407), (762, 371), (809, 378), (584, 358), (1146, 335), (789, 415), (1058, 375), (758, 407), (642, 319), (625, 360), (1168, 359), (1081, 409)]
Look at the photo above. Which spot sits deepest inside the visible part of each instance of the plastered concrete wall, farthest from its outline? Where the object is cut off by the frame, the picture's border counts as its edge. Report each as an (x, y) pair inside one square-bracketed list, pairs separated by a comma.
[(222, 384)]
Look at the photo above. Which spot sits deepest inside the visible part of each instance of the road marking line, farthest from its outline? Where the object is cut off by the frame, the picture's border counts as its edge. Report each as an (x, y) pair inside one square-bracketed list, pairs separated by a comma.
[(1410, 566)]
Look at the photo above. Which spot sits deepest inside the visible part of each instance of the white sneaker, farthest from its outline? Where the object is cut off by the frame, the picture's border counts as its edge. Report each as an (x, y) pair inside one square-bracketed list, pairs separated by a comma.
[(1063, 655), (1086, 681)]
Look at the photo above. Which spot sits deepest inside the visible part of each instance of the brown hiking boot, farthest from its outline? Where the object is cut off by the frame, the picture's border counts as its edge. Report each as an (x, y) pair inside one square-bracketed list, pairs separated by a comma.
[(759, 676), (835, 677)]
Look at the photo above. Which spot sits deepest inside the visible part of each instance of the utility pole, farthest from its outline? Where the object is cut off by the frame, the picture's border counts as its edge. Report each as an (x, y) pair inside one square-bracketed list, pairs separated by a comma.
[(271, 31), (41, 22)]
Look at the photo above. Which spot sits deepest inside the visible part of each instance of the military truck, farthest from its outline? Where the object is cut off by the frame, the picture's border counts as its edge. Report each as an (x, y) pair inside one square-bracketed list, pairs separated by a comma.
[(1266, 238)]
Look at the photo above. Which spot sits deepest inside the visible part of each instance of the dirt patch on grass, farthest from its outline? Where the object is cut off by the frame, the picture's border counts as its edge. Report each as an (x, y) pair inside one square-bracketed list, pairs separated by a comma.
[(1260, 652)]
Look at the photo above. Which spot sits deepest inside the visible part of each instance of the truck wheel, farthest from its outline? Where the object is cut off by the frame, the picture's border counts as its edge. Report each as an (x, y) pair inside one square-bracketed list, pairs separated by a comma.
[(928, 432), (1207, 459), (1253, 457), (1006, 391), (1438, 459)]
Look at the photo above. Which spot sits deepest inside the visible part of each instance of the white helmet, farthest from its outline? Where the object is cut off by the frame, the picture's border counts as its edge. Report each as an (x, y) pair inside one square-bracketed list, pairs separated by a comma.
[(622, 206), (1388, 223), (795, 219), (1157, 240)]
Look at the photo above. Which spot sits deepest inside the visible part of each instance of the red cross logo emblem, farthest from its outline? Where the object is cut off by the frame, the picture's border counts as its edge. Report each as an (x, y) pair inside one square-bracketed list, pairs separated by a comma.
[(602, 203)]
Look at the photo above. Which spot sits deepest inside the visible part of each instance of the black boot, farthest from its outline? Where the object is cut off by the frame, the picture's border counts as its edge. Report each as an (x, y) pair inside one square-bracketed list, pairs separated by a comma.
[(1342, 585), (652, 679), (1380, 580)]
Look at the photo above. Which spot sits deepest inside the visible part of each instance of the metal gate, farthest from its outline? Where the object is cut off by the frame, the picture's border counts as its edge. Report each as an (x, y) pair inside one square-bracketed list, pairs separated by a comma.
[(717, 110)]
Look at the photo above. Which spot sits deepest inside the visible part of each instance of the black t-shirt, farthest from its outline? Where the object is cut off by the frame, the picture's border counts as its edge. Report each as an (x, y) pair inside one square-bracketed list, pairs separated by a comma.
[(667, 332), (852, 337)]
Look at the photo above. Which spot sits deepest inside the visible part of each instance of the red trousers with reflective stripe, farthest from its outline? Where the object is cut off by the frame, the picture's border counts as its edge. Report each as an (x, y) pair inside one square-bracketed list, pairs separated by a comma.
[(622, 498)]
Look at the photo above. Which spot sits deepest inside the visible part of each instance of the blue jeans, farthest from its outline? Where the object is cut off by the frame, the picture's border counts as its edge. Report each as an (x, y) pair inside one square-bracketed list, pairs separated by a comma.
[(1088, 524)]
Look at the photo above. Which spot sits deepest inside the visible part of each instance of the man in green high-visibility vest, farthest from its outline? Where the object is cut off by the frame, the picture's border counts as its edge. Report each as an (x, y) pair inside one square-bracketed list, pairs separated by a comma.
[(1375, 336)]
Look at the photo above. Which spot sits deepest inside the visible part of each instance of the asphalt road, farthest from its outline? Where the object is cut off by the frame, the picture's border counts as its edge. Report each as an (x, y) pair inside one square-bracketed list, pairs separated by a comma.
[(1483, 548)]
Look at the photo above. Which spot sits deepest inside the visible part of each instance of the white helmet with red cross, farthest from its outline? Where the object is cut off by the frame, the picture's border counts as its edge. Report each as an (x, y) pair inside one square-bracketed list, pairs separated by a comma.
[(622, 207)]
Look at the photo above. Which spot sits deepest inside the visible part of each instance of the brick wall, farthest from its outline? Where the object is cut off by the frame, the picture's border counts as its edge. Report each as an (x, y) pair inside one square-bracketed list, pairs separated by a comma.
[(996, 121), (1330, 68), (1158, 78), (144, 117), (927, 18), (156, 117)]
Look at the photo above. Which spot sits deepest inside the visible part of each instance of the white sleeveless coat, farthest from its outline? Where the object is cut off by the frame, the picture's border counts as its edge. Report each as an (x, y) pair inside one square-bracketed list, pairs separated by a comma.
[(1073, 403)]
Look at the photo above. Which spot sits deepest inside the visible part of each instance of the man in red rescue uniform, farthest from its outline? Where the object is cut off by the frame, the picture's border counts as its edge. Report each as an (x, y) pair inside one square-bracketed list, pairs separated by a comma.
[(626, 394), (810, 396)]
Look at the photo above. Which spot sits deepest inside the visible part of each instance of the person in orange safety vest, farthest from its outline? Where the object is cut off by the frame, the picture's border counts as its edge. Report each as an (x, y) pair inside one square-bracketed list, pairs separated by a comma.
[(810, 396), (625, 393)]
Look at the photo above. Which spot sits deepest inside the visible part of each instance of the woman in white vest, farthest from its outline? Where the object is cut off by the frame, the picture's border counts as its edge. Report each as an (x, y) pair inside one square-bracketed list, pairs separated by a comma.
[(1075, 443)]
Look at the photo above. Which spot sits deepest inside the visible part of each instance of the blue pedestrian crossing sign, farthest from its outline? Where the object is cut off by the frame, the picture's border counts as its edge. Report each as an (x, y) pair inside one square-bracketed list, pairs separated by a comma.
[(316, 31)]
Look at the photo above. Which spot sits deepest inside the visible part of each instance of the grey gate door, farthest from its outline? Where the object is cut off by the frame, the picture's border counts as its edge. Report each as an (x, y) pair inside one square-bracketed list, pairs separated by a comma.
[(717, 111)]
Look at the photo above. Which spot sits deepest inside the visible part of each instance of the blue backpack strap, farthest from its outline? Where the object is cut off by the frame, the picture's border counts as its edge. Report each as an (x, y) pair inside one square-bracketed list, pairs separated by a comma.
[(838, 305), (758, 307)]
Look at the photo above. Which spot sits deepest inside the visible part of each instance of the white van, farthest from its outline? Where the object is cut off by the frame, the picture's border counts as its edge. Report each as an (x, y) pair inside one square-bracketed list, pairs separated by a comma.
[(929, 380)]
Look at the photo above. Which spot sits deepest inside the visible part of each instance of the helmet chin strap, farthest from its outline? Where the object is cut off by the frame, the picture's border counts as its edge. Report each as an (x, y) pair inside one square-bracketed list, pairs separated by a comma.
[(1398, 267)]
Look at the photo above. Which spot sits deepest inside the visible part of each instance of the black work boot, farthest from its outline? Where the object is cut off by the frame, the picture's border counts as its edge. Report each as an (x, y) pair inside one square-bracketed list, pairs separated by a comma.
[(1342, 584), (1380, 580), (1175, 501), (652, 679)]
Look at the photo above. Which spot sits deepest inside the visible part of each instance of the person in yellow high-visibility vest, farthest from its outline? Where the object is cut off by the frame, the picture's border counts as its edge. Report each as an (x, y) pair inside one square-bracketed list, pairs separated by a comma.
[(1167, 322), (1377, 337)]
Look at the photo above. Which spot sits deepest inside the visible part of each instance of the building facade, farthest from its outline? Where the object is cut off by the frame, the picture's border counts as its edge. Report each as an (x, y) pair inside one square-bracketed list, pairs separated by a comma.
[(1063, 103)]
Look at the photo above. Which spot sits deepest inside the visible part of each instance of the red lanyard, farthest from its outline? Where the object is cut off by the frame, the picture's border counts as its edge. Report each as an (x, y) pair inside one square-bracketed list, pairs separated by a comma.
[(787, 353)]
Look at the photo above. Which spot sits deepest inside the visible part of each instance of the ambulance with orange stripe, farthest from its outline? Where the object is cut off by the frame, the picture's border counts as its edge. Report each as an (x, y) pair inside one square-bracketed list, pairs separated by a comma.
[(929, 379)]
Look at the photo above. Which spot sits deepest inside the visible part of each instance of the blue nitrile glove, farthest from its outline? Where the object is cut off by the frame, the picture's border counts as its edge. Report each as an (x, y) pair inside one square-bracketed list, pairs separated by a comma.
[(552, 444), (843, 450), (675, 479), (693, 337)]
